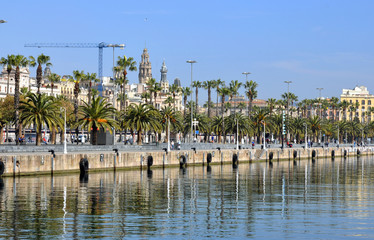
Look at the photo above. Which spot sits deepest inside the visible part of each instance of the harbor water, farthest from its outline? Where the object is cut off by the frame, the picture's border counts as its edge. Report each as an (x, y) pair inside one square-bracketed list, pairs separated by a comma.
[(323, 199)]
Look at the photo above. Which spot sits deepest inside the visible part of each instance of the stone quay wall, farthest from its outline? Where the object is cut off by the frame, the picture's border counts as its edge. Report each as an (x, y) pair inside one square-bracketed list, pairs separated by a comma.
[(46, 163)]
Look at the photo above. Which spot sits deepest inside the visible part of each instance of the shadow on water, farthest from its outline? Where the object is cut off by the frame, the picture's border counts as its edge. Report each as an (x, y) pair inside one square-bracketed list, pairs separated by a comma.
[(209, 169)]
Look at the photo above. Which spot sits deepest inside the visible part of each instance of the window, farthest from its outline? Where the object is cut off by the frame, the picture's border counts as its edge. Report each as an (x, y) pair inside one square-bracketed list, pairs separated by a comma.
[(350, 101), (356, 101), (369, 102), (362, 102)]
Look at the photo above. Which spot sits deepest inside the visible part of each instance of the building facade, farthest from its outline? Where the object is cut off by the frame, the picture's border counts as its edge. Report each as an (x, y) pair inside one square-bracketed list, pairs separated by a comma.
[(360, 101)]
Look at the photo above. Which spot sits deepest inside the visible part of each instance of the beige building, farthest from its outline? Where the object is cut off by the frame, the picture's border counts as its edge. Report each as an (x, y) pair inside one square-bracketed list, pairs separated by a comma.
[(361, 100)]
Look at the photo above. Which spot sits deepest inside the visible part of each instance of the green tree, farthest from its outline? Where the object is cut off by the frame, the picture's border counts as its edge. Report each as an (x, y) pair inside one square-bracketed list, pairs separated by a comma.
[(40, 60), (53, 78), (18, 62), (97, 115), (126, 63), (78, 75), (8, 62), (174, 90), (170, 118), (140, 118), (197, 85), (39, 109), (234, 91), (186, 91), (251, 93), (209, 85)]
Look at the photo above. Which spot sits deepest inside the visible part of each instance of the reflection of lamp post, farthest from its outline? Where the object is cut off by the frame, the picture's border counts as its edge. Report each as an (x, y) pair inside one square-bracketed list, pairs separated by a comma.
[(168, 133), (192, 62), (237, 134), (306, 135), (65, 149)]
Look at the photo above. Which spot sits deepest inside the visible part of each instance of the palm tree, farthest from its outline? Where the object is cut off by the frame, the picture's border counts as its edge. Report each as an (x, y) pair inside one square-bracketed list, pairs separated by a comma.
[(217, 84), (18, 61), (216, 127), (8, 62), (40, 60), (242, 106), (126, 64), (315, 126), (234, 90), (90, 77), (142, 117), (186, 91), (271, 104), (197, 85), (146, 96), (97, 115), (170, 119), (169, 100), (251, 93), (53, 78), (155, 89), (209, 85), (39, 109), (174, 90), (259, 118), (334, 102), (224, 91), (78, 75)]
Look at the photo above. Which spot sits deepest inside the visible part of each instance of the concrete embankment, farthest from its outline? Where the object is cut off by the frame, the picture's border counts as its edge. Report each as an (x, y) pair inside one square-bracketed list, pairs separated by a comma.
[(26, 163)]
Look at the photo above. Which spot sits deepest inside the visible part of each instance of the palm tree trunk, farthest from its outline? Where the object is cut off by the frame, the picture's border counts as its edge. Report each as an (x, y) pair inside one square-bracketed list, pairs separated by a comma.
[(39, 73), (197, 100), (140, 137), (38, 134), (217, 103), (16, 105), (185, 105), (223, 118), (209, 93)]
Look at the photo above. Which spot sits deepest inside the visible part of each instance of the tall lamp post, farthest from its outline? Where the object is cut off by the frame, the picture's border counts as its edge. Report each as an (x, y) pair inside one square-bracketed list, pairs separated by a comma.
[(191, 62), (64, 109), (288, 108), (306, 136)]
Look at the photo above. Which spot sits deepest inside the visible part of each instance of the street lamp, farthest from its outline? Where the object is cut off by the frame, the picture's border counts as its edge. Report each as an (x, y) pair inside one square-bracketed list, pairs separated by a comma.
[(306, 135), (288, 108), (246, 75), (65, 149), (263, 122), (191, 62)]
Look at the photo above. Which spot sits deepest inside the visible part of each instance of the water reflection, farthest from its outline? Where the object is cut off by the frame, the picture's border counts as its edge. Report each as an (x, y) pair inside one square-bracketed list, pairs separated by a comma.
[(283, 200)]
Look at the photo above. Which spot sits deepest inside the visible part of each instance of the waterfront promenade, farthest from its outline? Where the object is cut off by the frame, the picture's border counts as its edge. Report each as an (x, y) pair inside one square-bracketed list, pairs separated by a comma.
[(49, 159)]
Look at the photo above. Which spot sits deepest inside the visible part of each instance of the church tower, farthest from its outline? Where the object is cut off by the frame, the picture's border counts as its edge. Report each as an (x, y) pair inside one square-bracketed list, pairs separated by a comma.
[(145, 68), (164, 82)]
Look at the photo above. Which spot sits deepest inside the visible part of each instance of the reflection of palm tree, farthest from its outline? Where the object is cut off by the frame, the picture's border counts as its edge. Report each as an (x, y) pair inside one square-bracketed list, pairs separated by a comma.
[(142, 117), (40, 60), (39, 109), (98, 114)]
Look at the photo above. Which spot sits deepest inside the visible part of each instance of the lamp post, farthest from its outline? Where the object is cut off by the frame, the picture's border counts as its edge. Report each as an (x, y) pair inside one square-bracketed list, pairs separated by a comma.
[(306, 136), (65, 149), (263, 122), (246, 75), (288, 108), (191, 62)]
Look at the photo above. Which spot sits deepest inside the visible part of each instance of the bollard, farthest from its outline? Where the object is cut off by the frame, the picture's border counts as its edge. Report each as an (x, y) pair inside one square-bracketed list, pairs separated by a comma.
[(294, 154), (209, 158), (83, 165), (333, 154), (271, 156), (2, 167), (149, 161), (313, 153), (182, 161), (235, 160)]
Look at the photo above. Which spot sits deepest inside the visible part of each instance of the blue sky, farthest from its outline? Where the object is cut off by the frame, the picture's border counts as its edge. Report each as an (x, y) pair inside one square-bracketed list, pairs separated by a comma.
[(315, 44)]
